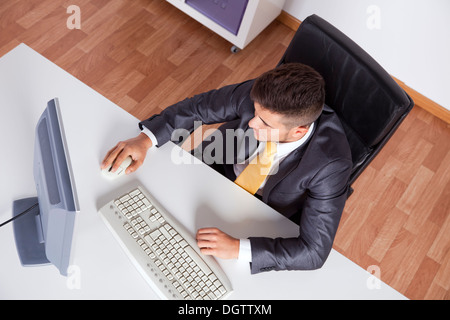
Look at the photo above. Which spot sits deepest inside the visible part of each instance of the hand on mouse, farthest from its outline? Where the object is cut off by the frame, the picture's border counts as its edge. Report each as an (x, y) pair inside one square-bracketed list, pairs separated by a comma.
[(135, 147)]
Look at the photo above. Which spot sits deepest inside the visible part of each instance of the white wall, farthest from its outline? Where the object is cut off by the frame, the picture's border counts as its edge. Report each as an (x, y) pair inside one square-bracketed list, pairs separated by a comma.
[(409, 38)]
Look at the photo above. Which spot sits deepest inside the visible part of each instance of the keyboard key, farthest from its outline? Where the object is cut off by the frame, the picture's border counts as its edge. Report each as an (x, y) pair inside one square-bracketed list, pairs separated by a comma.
[(200, 262), (125, 198), (146, 203), (135, 192), (155, 234), (165, 233)]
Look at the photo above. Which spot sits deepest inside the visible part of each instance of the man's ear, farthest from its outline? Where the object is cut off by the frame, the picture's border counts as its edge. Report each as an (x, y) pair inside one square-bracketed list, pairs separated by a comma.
[(299, 132)]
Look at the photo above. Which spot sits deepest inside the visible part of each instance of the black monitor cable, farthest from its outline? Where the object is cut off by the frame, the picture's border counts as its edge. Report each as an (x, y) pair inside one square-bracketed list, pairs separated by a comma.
[(20, 214)]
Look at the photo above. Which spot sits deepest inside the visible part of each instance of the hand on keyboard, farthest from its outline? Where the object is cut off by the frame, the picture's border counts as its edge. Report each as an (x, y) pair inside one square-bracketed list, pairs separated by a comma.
[(213, 241)]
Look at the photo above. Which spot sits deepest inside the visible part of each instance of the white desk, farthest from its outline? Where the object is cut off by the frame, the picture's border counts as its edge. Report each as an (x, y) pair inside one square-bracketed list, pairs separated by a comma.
[(194, 193)]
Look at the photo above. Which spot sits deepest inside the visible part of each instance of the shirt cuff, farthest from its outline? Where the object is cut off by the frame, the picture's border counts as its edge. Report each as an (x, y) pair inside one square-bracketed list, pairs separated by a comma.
[(150, 135), (245, 250)]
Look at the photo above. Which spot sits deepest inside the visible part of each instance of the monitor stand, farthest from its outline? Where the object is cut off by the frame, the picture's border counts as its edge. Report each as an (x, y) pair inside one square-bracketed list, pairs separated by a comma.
[(28, 233)]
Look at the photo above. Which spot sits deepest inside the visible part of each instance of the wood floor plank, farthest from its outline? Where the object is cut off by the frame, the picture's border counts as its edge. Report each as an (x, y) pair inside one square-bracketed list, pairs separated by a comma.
[(443, 275), (423, 279), (423, 209), (414, 255), (441, 245), (103, 31), (419, 183), (387, 233)]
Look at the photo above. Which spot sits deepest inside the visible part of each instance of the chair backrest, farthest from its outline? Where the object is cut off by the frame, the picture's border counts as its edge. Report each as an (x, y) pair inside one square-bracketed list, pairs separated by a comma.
[(369, 103)]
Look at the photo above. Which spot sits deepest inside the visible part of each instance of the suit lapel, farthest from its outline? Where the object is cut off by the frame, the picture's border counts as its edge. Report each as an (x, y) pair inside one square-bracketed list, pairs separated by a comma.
[(284, 169), (286, 166)]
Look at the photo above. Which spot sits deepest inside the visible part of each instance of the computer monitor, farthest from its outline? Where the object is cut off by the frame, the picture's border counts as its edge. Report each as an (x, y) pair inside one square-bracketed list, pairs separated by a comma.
[(44, 234)]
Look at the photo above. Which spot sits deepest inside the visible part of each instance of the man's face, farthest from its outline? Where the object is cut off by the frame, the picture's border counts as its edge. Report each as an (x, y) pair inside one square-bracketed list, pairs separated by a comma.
[(269, 126)]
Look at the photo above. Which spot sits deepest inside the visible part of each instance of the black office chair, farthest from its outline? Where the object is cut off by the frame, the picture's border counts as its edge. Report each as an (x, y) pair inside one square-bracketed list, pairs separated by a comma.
[(369, 103)]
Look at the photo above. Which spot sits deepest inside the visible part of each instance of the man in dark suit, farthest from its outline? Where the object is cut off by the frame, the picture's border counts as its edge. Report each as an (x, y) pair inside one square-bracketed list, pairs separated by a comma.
[(306, 177)]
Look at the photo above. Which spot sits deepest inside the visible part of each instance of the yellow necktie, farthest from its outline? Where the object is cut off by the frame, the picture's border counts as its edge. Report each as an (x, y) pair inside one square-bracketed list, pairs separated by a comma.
[(257, 170)]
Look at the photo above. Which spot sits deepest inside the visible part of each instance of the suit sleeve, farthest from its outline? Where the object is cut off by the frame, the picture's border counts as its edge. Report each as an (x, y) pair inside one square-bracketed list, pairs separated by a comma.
[(215, 106), (319, 221)]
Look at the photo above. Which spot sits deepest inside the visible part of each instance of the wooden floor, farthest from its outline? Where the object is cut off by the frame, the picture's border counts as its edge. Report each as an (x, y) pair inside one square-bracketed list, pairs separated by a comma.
[(145, 55)]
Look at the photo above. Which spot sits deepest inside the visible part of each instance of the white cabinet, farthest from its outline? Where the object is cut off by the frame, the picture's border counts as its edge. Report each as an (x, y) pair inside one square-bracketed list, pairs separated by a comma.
[(257, 15)]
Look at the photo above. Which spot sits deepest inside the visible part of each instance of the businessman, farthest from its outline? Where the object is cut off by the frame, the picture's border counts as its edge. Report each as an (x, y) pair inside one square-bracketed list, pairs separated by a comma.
[(297, 160)]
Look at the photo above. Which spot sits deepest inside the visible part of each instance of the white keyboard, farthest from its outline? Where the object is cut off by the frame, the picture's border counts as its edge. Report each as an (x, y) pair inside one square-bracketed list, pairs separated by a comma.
[(162, 250)]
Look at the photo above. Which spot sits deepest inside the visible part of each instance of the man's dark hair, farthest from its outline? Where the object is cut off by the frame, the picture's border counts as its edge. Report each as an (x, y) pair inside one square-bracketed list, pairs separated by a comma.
[(294, 90)]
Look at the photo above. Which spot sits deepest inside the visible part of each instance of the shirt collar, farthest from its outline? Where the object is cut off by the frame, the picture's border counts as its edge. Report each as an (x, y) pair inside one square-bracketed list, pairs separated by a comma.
[(284, 148)]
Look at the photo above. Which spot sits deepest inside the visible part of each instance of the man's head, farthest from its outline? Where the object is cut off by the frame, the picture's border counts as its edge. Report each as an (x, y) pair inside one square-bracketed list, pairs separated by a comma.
[(288, 98)]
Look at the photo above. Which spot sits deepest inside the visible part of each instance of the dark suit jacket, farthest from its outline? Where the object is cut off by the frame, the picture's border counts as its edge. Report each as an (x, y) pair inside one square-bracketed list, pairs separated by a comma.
[(310, 187)]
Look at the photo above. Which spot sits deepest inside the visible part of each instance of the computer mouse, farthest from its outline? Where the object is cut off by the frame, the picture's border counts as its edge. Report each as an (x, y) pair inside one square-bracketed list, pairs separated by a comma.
[(119, 172)]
